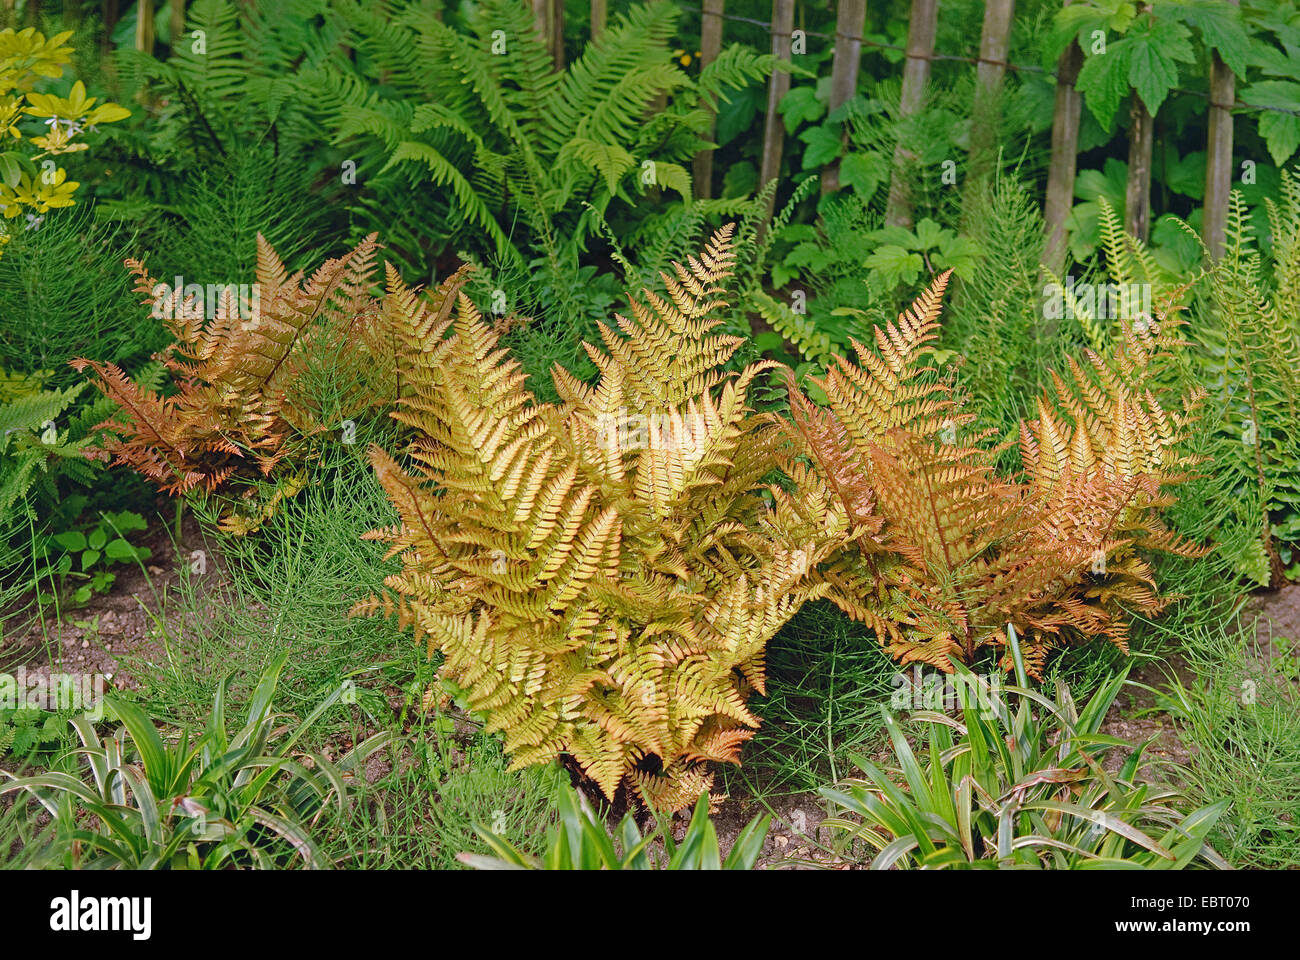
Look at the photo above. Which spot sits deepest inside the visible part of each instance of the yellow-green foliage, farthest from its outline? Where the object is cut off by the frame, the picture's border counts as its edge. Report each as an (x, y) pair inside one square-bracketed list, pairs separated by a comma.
[(602, 574), (25, 57)]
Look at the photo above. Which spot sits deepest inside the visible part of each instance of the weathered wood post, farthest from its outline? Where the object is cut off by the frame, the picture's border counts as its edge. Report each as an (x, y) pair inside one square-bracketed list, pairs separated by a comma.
[(111, 15), (777, 88), (710, 47), (849, 21), (995, 43), (549, 16), (1065, 151), (916, 73), (144, 26), (1218, 154), (1137, 192)]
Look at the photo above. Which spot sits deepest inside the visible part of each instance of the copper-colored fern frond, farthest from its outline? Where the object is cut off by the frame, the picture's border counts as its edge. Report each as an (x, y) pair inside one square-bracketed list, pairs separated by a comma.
[(601, 574), (246, 400), (954, 553)]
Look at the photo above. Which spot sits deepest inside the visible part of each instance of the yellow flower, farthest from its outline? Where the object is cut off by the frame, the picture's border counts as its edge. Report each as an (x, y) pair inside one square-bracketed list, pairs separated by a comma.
[(41, 196), (57, 141)]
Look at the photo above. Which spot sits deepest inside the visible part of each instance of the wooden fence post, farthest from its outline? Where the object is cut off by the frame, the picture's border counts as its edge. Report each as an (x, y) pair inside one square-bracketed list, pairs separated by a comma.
[(549, 15), (111, 15), (177, 23), (1065, 151), (1218, 154), (849, 21), (916, 72), (1137, 192), (710, 47), (995, 43), (144, 26), (777, 88)]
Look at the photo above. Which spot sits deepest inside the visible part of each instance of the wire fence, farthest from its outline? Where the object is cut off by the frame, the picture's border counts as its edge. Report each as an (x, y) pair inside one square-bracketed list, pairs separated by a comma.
[(1006, 64)]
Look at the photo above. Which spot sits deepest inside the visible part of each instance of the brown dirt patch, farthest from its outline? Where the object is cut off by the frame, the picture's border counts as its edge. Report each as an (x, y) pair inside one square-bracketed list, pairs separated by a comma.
[(114, 633)]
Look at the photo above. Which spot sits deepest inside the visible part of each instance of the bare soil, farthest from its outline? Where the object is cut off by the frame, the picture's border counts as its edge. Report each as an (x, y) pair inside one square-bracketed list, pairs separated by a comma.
[(113, 634)]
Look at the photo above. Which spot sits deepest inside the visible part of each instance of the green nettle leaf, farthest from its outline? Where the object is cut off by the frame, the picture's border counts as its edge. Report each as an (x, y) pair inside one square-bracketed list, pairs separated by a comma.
[(824, 144), (1281, 131), (1219, 24), (126, 521), (1107, 182), (892, 265), (801, 106), (119, 549), (1104, 80), (930, 234), (1187, 176), (71, 540), (736, 113), (961, 254), (864, 172), (89, 559), (1153, 72), (98, 537), (740, 180), (1078, 22)]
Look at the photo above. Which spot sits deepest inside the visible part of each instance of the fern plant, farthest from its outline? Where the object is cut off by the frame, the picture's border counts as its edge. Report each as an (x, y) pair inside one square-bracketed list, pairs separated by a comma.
[(601, 574), (34, 451), (227, 88), (484, 116), (242, 406), (942, 555), (1249, 353)]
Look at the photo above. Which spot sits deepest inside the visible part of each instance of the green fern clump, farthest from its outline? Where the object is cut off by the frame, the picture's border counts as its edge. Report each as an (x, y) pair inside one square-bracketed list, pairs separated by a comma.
[(226, 145), (481, 114), (997, 322), (1248, 338), (39, 446)]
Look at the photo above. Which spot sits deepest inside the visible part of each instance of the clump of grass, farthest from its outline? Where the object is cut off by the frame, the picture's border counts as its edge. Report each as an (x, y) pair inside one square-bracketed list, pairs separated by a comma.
[(826, 676), (1239, 718), (422, 812)]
